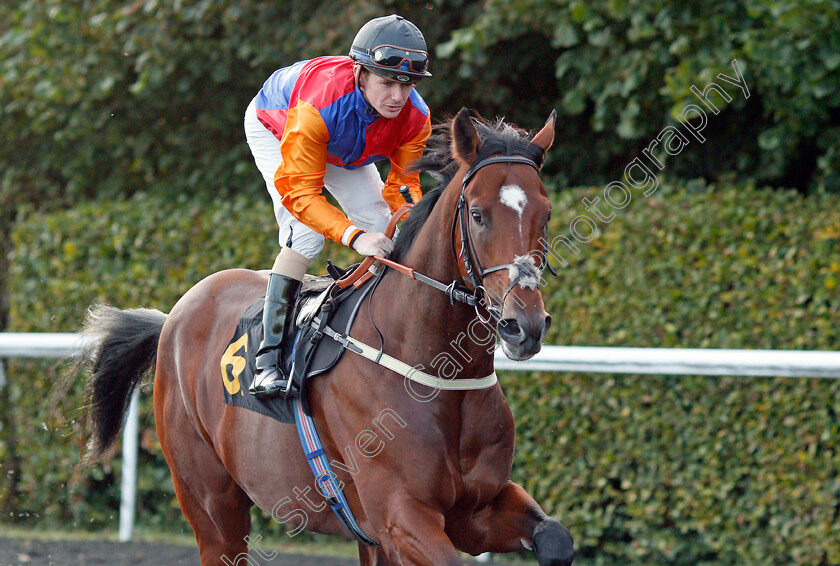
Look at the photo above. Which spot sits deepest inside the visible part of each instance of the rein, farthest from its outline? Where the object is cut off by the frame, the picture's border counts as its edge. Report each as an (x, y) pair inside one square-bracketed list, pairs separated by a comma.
[(363, 273)]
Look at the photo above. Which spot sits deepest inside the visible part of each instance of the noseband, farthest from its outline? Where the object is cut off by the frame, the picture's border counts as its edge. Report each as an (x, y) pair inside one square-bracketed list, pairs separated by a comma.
[(475, 273)]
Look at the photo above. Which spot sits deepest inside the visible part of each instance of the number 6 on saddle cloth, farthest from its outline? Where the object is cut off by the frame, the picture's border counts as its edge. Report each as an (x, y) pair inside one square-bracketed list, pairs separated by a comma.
[(311, 355)]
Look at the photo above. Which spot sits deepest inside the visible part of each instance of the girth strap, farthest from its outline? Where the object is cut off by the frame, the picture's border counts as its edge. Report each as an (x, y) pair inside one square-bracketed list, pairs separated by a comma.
[(327, 484)]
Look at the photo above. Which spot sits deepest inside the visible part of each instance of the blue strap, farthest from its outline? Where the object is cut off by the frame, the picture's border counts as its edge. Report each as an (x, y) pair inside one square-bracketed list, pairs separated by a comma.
[(324, 476), (325, 479), (315, 453)]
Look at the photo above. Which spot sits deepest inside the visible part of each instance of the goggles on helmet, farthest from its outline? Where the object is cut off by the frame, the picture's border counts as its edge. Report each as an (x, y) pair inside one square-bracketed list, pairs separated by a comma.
[(393, 57)]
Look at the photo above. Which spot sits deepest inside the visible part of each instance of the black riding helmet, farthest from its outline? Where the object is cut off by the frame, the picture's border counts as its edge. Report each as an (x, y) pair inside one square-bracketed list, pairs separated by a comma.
[(392, 47)]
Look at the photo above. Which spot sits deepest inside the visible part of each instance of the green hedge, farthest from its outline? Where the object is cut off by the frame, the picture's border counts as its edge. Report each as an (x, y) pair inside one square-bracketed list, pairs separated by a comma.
[(146, 251), (692, 470), (643, 469), (619, 71), (160, 88)]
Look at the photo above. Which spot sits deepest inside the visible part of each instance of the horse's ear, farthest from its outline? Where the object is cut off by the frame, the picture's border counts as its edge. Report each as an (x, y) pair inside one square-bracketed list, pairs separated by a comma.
[(545, 137), (465, 140)]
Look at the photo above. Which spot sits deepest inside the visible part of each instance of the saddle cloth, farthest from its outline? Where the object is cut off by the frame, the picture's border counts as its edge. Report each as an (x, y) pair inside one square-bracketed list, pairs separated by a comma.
[(318, 299)]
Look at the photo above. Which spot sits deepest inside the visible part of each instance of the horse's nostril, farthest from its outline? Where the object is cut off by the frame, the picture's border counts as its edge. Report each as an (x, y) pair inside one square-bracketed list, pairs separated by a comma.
[(510, 331), (510, 325), (546, 325)]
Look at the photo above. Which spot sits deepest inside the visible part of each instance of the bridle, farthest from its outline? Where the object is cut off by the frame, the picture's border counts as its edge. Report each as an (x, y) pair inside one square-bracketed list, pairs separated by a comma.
[(474, 273)]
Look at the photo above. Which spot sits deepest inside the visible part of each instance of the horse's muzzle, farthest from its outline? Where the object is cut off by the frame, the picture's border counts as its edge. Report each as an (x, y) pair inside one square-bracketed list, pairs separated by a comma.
[(522, 336)]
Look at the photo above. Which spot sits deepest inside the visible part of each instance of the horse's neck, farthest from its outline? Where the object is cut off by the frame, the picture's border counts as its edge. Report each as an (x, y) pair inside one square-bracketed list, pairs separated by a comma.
[(431, 251), (445, 331)]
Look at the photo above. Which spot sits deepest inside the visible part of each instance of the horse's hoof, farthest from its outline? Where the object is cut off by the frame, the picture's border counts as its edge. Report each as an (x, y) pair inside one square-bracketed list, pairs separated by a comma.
[(553, 544)]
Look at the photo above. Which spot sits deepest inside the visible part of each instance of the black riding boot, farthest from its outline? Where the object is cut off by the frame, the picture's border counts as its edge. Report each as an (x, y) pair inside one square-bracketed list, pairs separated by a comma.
[(270, 379)]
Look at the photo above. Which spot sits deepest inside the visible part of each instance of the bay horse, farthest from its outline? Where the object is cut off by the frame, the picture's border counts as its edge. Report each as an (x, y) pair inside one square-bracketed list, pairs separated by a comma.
[(424, 476)]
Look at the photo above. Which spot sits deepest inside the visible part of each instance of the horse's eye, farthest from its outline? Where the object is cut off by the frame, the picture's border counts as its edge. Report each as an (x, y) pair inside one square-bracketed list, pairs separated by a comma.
[(476, 216)]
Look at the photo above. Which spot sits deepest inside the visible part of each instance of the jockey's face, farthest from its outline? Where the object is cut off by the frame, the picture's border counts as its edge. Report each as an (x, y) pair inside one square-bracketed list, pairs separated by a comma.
[(386, 96)]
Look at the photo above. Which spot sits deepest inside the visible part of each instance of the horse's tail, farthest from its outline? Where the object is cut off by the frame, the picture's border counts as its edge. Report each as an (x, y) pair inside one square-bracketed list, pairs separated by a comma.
[(121, 348)]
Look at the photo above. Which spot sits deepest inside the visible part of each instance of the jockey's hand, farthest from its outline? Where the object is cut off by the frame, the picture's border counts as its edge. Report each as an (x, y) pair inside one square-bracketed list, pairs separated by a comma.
[(373, 243)]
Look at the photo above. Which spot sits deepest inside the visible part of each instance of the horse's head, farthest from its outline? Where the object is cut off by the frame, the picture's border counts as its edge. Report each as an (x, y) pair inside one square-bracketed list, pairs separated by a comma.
[(502, 217)]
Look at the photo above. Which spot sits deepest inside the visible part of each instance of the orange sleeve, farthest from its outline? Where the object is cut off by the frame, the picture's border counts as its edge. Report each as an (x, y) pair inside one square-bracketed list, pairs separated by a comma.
[(300, 178), (401, 160)]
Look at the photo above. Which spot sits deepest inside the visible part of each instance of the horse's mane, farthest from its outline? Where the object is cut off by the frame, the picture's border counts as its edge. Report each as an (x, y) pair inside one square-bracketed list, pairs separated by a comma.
[(497, 137)]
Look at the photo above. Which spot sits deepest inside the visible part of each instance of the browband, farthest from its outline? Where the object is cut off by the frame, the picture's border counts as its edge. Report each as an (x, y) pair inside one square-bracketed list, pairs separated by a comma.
[(498, 159)]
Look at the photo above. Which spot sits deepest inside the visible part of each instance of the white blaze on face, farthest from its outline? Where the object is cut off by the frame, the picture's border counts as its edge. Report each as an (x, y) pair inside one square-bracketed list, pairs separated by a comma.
[(514, 197), (531, 274)]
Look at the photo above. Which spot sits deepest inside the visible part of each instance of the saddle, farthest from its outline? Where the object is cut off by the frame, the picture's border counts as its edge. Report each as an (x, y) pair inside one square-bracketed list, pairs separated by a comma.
[(322, 309)]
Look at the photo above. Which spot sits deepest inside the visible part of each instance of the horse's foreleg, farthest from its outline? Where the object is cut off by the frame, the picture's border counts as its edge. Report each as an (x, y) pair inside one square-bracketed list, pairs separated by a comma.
[(513, 521), (372, 556), (412, 534)]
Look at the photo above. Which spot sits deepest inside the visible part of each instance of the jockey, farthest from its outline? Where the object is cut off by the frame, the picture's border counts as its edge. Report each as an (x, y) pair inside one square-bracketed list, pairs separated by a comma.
[(334, 117)]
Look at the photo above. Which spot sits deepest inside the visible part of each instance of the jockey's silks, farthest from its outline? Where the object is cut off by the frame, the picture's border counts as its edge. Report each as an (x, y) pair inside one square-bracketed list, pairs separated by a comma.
[(320, 116)]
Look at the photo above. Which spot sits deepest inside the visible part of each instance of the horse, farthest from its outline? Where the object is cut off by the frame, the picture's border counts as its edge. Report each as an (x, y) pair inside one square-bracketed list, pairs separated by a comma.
[(425, 471)]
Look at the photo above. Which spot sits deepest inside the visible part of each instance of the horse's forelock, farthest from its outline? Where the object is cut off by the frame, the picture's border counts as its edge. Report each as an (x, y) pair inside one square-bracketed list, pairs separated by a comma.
[(502, 138)]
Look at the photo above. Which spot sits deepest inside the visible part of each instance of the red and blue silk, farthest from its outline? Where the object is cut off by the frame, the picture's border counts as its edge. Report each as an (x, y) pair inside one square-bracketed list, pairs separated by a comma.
[(320, 116)]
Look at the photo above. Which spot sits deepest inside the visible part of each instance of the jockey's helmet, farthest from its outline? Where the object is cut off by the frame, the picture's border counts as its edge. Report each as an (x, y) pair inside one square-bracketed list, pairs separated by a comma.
[(392, 47)]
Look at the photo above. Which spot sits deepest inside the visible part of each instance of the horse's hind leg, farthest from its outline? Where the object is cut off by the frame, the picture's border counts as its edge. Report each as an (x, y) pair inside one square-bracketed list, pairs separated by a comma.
[(219, 513), (215, 506)]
